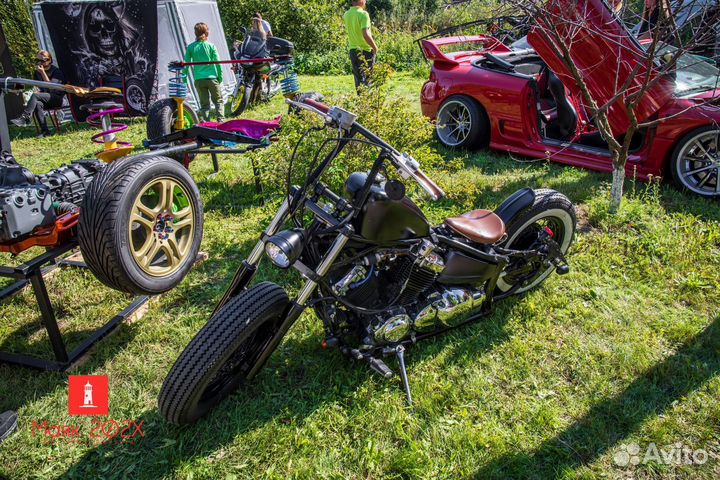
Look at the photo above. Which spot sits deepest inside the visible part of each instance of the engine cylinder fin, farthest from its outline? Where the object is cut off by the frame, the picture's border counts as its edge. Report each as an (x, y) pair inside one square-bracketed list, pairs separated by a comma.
[(415, 280)]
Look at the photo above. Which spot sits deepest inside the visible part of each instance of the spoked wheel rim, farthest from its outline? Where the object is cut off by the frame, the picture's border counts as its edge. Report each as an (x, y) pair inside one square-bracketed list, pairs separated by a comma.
[(237, 366), (699, 163), (559, 224), (161, 227), (136, 98), (454, 123)]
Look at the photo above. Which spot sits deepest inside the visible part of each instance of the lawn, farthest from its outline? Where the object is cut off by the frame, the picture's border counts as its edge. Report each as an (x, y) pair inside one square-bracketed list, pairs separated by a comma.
[(623, 350)]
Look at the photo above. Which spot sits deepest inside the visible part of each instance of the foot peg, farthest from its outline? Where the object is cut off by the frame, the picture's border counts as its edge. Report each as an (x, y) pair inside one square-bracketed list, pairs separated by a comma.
[(562, 269), (375, 363), (380, 367)]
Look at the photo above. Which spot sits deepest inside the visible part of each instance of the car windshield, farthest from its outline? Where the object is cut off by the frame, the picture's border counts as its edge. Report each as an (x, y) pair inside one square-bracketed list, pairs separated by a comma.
[(694, 73)]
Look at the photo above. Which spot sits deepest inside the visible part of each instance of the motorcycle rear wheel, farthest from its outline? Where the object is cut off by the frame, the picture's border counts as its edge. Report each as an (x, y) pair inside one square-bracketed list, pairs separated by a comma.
[(218, 359), (551, 210)]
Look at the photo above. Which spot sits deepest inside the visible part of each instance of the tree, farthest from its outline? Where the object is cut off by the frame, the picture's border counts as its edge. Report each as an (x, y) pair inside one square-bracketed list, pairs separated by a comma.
[(644, 61)]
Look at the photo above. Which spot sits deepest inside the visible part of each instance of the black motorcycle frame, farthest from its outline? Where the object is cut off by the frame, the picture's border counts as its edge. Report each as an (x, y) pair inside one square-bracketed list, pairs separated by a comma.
[(339, 224)]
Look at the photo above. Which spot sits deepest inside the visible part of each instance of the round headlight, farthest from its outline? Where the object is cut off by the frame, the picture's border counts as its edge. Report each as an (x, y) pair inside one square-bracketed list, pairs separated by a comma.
[(285, 247), (276, 255)]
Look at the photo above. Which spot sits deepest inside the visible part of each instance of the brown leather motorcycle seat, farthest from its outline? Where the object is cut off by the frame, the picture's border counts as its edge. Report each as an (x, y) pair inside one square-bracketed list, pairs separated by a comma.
[(481, 226)]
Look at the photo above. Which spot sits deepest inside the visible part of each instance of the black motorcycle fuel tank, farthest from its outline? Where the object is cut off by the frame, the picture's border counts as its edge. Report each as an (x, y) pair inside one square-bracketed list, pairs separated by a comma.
[(384, 220)]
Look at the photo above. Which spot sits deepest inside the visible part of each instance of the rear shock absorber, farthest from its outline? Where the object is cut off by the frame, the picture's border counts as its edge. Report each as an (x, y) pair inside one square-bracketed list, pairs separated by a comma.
[(178, 90), (101, 117), (176, 85), (290, 83)]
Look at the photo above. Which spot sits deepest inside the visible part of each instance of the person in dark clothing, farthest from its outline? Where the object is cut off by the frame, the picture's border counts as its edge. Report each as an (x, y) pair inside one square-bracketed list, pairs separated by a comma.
[(44, 98)]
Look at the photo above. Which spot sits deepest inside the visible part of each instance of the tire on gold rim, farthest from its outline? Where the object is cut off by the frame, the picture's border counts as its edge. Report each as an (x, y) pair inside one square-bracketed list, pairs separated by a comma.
[(141, 224), (161, 227)]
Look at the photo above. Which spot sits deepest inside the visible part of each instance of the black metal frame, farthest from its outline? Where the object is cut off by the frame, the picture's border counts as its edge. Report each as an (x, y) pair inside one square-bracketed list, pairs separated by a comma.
[(197, 140), (32, 273)]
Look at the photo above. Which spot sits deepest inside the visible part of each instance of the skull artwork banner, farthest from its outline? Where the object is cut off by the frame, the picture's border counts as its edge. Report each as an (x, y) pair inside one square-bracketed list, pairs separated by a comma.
[(108, 43)]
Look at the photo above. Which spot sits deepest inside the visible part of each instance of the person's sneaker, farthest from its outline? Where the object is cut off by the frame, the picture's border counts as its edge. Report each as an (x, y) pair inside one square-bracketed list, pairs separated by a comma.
[(46, 133), (21, 121), (8, 424)]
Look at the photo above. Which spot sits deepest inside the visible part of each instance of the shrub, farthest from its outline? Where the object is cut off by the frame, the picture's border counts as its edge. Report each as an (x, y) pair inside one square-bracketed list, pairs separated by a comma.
[(331, 62), (311, 25), (20, 36), (392, 119)]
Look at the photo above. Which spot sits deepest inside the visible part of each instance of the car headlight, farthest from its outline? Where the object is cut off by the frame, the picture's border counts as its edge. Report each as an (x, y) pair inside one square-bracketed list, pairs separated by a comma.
[(285, 247)]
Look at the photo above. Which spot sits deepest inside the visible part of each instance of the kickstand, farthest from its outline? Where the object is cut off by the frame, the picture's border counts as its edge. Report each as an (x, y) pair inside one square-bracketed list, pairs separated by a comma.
[(400, 353)]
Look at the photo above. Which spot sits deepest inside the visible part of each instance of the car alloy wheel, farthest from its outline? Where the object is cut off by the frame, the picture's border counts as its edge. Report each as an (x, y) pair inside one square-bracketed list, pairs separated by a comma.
[(698, 163), (162, 227), (454, 123)]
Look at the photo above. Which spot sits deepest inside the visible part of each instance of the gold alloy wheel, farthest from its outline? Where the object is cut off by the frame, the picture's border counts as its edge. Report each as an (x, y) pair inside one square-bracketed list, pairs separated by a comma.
[(161, 227)]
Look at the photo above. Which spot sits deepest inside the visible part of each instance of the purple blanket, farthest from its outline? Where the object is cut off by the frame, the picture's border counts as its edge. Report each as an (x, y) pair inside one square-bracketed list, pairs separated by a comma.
[(256, 129)]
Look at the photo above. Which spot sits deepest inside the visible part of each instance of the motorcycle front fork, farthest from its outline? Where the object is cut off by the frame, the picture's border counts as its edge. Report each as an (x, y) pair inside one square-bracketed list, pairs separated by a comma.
[(246, 272)]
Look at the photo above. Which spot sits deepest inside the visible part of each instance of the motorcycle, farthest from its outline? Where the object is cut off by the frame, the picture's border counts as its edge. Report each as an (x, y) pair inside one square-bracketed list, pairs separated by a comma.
[(377, 274), (261, 81)]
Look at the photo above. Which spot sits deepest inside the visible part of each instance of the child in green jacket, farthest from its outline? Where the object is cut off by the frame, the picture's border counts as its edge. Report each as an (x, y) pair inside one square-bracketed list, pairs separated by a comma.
[(208, 78)]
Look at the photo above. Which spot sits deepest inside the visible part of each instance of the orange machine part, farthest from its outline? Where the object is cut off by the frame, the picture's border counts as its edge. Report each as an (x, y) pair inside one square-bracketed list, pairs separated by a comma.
[(49, 236)]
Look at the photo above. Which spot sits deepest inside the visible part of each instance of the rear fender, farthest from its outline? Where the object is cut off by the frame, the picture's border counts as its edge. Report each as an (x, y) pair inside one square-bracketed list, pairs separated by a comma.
[(515, 203)]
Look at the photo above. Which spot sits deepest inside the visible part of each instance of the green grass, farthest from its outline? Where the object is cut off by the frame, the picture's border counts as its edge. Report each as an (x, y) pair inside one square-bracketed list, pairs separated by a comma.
[(624, 349)]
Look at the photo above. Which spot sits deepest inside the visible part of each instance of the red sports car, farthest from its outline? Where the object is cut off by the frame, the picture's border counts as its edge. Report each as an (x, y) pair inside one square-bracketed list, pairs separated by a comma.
[(520, 98)]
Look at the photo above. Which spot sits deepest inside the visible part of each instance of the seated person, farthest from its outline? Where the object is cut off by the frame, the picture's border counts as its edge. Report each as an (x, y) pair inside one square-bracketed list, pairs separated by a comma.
[(43, 98), (264, 24), (255, 43)]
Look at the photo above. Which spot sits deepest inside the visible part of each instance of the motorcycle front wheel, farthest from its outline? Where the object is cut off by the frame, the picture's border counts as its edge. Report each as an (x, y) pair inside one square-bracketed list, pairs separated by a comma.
[(218, 359), (240, 100), (552, 212)]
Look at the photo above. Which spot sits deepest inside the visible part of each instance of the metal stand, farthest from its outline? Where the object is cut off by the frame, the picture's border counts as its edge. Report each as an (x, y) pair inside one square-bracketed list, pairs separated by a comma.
[(4, 132), (216, 164), (32, 273), (400, 352)]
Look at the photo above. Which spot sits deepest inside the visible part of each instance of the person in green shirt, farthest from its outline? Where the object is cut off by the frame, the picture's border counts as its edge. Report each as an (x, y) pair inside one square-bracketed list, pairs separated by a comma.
[(208, 78), (363, 49)]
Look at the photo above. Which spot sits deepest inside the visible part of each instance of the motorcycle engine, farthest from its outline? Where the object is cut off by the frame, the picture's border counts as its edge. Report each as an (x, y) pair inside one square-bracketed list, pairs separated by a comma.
[(403, 296), (28, 201)]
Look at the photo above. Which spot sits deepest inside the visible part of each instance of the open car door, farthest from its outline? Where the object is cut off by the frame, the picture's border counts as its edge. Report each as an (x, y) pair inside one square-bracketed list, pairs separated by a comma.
[(606, 56)]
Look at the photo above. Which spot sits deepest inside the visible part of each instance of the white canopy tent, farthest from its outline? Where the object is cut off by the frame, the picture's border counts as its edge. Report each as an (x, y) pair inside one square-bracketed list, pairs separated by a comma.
[(176, 19)]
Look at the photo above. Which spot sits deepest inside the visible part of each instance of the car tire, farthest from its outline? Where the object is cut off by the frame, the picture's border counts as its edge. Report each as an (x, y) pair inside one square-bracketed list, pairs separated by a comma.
[(161, 121), (695, 162), (135, 97), (462, 122), (133, 236)]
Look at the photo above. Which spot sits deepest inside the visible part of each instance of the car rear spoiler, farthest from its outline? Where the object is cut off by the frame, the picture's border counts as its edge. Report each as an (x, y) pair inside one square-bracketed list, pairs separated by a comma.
[(431, 48), (433, 53)]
